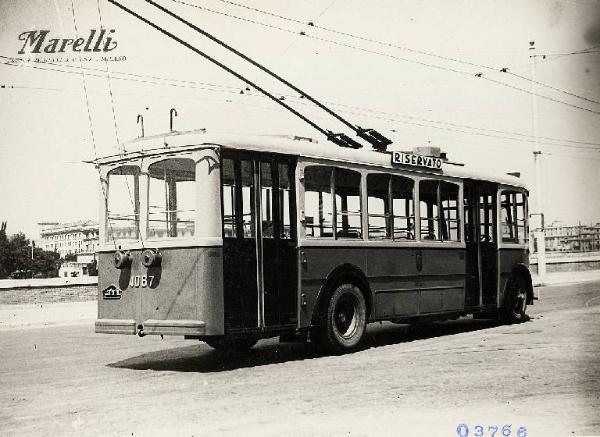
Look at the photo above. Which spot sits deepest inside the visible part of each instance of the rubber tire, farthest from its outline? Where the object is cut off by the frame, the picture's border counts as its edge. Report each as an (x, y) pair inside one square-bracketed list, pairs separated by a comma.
[(235, 344), (330, 338), (515, 308)]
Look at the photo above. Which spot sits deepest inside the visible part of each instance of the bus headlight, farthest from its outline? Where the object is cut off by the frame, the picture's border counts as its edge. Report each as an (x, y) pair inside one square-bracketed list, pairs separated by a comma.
[(122, 259), (151, 258)]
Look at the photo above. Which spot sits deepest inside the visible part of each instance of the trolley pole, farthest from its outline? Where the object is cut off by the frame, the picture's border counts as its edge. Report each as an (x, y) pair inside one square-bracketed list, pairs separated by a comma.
[(538, 231)]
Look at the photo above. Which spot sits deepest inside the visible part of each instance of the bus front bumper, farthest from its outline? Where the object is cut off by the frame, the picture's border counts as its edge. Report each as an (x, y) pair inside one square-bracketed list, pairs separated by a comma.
[(150, 327)]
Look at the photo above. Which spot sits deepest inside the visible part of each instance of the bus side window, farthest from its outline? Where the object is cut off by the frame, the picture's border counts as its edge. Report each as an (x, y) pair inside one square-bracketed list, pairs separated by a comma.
[(318, 202), (428, 204), (378, 206), (347, 203), (228, 195), (449, 218), (514, 224), (266, 193), (486, 218), (247, 182), (284, 201), (403, 208)]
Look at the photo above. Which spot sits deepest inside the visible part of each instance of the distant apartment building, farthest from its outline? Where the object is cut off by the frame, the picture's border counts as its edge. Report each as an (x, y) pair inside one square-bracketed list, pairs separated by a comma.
[(79, 238), (581, 238)]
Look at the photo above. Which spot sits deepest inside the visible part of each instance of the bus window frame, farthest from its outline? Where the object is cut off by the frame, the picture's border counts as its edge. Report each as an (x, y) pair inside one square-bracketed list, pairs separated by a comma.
[(105, 196), (146, 212), (364, 170), (511, 245)]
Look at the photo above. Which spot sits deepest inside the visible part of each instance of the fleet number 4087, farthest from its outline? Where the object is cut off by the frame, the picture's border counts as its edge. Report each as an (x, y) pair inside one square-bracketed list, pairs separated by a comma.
[(142, 281)]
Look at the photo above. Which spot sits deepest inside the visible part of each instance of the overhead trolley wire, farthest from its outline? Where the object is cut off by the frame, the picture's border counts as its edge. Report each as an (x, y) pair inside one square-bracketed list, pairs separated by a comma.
[(139, 78), (478, 74), (553, 88), (91, 125), (235, 91), (374, 138), (552, 99), (401, 47), (328, 134)]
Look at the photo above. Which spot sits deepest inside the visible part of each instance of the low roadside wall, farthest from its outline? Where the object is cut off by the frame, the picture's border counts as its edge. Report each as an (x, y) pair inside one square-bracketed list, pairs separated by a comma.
[(568, 262), (46, 295), (48, 282)]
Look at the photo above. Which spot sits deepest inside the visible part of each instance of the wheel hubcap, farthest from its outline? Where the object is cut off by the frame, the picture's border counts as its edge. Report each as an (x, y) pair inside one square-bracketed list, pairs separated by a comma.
[(346, 317)]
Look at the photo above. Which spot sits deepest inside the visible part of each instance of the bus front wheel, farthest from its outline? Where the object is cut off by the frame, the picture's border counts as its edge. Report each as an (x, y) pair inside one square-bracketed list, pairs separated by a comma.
[(515, 308), (346, 320)]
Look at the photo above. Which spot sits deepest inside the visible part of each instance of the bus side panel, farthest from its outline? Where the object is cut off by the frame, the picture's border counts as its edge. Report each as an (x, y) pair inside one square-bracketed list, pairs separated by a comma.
[(393, 277), (398, 287), (442, 280), (317, 263), (508, 259)]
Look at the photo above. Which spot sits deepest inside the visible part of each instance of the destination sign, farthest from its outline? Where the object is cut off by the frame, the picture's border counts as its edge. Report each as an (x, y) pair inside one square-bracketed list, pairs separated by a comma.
[(416, 160)]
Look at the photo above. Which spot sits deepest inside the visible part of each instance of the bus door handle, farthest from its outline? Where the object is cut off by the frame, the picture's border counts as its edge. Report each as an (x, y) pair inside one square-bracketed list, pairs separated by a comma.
[(419, 259)]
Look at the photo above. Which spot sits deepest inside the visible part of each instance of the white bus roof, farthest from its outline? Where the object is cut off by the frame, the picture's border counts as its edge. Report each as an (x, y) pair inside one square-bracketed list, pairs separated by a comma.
[(290, 145)]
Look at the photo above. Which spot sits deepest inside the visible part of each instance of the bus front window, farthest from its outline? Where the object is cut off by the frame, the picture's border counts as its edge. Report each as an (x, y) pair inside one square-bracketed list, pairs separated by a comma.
[(171, 198), (123, 204)]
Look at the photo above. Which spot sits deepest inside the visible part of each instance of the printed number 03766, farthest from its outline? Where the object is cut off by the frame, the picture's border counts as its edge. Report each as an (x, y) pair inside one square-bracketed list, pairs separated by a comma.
[(463, 430)]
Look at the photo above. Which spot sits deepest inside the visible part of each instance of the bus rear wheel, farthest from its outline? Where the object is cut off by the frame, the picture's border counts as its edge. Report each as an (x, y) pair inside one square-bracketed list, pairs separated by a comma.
[(234, 344), (346, 320), (515, 309)]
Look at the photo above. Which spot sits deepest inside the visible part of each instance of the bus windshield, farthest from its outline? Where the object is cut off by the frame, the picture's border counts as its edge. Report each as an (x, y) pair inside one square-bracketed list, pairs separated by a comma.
[(123, 203)]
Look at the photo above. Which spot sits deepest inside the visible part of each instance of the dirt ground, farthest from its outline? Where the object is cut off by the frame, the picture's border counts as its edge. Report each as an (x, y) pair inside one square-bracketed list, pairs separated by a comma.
[(543, 375)]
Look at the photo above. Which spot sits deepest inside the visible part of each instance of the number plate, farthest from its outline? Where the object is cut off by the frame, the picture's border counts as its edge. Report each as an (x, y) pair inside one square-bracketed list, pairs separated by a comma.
[(141, 281), (112, 292)]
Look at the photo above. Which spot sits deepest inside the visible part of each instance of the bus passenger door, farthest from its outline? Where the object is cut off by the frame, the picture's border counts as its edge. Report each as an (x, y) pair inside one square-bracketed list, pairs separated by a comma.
[(278, 241), (259, 264), (488, 245), (481, 244), (238, 197)]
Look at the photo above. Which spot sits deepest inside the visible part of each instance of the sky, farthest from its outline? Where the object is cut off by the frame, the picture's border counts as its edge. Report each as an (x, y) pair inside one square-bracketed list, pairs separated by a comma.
[(407, 68)]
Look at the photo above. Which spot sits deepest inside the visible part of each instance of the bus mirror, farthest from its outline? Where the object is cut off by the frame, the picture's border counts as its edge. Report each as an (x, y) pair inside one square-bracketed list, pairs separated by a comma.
[(122, 259), (151, 258)]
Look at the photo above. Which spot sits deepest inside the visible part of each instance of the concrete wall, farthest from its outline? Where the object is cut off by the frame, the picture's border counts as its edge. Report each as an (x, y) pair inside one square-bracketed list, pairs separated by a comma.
[(568, 262)]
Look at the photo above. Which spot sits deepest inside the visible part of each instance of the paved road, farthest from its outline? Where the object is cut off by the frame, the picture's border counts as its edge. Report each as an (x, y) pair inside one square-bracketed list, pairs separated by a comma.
[(543, 375)]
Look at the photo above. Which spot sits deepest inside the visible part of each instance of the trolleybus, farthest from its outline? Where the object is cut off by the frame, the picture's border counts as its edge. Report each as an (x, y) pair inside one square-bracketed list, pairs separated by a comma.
[(232, 238)]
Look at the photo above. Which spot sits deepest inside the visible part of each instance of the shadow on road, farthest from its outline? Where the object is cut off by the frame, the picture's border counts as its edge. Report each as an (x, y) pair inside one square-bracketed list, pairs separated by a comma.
[(201, 358)]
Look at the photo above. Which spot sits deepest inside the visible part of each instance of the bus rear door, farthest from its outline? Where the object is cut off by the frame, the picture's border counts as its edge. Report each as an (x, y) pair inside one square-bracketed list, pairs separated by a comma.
[(482, 246), (259, 243)]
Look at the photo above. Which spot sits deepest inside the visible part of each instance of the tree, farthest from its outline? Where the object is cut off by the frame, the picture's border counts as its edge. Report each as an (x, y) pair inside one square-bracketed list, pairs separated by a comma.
[(16, 255), (45, 263), (4, 255)]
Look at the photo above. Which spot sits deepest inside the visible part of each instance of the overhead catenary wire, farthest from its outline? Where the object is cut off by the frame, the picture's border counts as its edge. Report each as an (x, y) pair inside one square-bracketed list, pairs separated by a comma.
[(224, 67), (91, 125), (253, 62), (477, 74), (234, 91), (398, 46), (552, 87), (110, 92), (395, 130)]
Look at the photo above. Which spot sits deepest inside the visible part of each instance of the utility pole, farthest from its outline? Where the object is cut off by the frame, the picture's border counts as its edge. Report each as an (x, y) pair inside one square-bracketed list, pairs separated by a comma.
[(538, 231)]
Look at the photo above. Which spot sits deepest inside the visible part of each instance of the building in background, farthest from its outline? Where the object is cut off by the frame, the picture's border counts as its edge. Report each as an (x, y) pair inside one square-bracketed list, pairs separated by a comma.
[(79, 238), (581, 238), (84, 265)]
